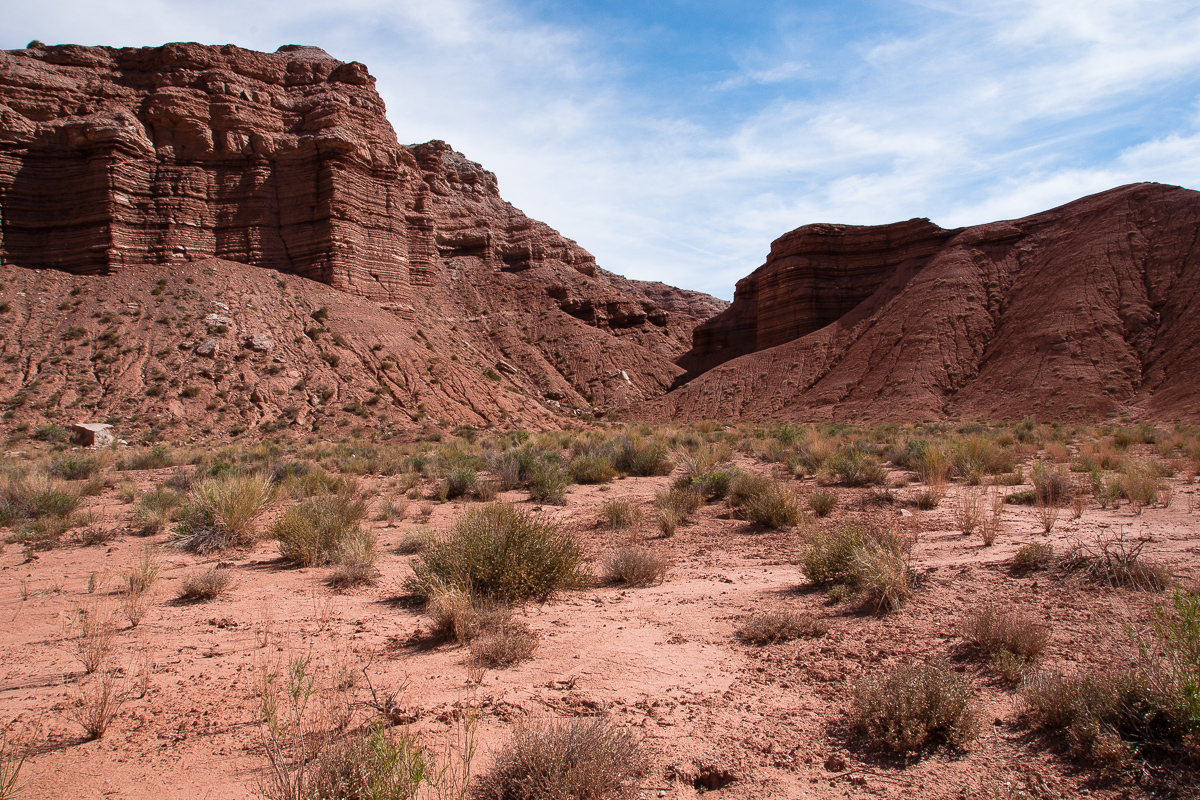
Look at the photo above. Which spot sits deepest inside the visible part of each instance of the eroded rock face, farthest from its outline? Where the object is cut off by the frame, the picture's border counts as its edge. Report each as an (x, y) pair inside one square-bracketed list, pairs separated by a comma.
[(1079, 312), (130, 161)]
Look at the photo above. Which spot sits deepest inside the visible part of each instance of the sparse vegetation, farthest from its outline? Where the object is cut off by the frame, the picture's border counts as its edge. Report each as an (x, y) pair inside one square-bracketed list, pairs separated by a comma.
[(915, 706), (502, 553), (220, 513), (619, 514), (1114, 560), (635, 566), (770, 627), (206, 586), (589, 758)]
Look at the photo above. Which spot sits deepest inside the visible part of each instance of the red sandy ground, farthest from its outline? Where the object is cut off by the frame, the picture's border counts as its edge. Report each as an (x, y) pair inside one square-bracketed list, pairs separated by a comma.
[(768, 721)]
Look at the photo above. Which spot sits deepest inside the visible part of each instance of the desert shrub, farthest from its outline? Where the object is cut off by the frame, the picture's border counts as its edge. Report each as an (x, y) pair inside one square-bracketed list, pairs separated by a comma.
[(33, 497), (304, 479), (155, 511), (142, 458), (365, 764), (100, 698), (873, 561), (642, 457), (314, 532), (219, 513), (932, 465), (1117, 561), (592, 468), (1033, 556), (451, 610), (1140, 483), (393, 509), (1150, 713), (51, 432), (74, 466), (584, 758), (700, 470), (773, 506), (822, 502), (673, 507), (780, 626), (635, 566), (205, 586), (914, 706), (504, 645), (745, 485), (853, 466), (460, 481), (548, 482), (619, 514), (972, 457), (989, 631), (1051, 486), (503, 553)]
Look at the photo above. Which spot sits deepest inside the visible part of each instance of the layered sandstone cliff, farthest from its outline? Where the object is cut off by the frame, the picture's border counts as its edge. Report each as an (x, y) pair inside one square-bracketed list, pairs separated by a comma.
[(140, 162), (1080, 312)]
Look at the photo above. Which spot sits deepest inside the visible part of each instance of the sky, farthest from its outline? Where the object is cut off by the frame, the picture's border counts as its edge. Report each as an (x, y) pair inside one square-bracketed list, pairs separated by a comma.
[(675, 139)]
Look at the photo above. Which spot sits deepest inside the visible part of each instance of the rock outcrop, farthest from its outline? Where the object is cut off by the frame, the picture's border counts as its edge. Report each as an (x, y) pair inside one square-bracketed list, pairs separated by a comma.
[(1081, 312), (142, 161)]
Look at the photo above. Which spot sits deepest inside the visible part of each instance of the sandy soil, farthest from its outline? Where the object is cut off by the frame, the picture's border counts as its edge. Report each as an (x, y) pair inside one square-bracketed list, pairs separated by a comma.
[(717, 714)]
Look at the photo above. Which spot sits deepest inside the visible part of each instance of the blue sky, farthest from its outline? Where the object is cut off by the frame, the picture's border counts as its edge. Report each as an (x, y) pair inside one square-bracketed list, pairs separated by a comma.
[(676, 139)]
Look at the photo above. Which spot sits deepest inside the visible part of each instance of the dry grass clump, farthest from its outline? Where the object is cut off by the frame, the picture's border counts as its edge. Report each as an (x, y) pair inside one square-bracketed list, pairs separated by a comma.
[(853, 466), (548, 482), (1051, 486), (933, 469), (989, 631), (700, 471), (765, 501), (95, 635), (206, 586), (635, 566), (674, 507), (872, 560), (585, 758), (1114, 560), (501, 553), (219, 513), (822, 502), (1141, 484), (780, 626), (317, 530), (619, 514), (393, 509), (1112, 718), (156, 510), (14, 750), (100, 698), (504, 645), (969, 510), (38, 506), (594, 467), (914, 706), (1033, 556), (369, 763), (642, 457)]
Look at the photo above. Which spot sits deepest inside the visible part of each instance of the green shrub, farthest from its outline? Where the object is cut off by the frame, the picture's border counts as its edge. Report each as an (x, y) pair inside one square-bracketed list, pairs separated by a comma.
[(318, 530), (853, 466), (874, 561), (74, 466), (219, 513), (460, 481), (673, 507), (592, 468), (1051, 486), (30, 498), (642, 457), (822, 502), (51, 432), (155, 457), (368, 764), (500, 553), (1033, 556), (914, 706), (583, 758), (156, 510), (548, 482), (774, 506)]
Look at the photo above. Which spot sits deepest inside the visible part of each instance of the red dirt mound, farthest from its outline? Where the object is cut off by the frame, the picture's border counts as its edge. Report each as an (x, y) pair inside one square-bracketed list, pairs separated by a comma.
[(1084, 311)]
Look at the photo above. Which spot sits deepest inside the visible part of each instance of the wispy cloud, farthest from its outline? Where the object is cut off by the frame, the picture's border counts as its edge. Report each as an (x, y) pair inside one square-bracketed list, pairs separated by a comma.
[(963, 112)]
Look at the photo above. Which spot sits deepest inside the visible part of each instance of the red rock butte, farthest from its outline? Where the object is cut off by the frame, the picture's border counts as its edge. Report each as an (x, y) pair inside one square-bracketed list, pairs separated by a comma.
[(1080, 312)]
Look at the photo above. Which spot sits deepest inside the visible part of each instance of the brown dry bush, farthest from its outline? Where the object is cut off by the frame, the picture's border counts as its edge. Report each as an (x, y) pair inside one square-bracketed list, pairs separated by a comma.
[(504, 645), (913, 707), (870, 559), (315, 532), (587, 758), (1117, 561), (618, 514), (780, 626), (98, 703), (674, 507), (635, 566), (990, 631), (822, 502), (206, 586), (94, 639), (1033, 556)]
